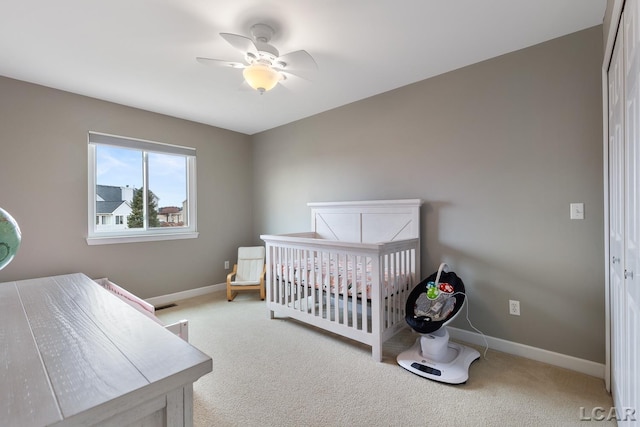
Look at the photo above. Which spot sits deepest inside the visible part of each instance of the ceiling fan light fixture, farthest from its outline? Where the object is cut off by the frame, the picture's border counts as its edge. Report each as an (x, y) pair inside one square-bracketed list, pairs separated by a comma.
[(261, 77)]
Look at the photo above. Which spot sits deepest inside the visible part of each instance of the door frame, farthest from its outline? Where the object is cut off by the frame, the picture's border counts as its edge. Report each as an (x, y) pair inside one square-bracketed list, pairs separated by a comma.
[(615, 8)]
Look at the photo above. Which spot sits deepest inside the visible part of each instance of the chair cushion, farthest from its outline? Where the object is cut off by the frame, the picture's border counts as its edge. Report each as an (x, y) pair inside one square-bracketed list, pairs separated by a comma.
[(251, 252), (250, 265), (244, 283)]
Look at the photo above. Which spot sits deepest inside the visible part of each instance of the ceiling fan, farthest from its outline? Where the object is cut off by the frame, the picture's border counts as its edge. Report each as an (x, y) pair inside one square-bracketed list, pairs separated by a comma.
[(264, 67)]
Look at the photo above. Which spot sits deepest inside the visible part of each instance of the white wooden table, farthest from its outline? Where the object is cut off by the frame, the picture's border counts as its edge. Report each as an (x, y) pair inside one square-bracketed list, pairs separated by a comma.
[(73, 354)]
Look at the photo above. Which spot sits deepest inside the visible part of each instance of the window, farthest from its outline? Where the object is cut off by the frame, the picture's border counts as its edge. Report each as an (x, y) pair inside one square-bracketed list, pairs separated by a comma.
[(140, 190)]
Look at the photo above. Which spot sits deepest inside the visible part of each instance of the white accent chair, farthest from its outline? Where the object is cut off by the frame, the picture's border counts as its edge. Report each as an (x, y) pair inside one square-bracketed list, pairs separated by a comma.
[(249, 272)]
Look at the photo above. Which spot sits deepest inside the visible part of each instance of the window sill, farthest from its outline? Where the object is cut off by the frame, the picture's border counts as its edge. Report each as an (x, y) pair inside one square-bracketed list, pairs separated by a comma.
[(109, 240)]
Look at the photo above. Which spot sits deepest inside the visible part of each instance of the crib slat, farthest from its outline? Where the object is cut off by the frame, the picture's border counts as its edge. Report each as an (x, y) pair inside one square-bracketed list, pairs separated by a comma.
[(291, 276), (392, 295), (402, 270), (388, 277), (277, 275), (386, 269), (303, 268), (287, 277), (304, 286), (283, 272), (364, 315), (336, 286), (343, 291), (310, 296), (386, 297), (326, 286), (377, 310), (356, 279)]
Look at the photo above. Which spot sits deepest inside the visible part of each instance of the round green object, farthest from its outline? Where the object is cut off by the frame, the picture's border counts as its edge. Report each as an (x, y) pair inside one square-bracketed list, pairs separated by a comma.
[(10, 238), (432, 293)]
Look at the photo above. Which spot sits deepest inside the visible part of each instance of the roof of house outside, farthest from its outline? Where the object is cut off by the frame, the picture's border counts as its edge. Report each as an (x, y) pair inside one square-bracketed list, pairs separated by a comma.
[(111, 198), (109, 193), (169, 210), (107, 207)]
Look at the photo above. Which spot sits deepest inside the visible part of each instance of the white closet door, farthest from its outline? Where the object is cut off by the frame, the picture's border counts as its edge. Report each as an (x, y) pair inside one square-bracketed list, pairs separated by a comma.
[(616, 216), (631, 394)]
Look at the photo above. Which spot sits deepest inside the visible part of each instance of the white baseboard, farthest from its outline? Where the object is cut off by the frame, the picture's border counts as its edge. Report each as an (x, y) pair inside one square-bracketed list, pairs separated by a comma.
[(177, 296), (557, 359)]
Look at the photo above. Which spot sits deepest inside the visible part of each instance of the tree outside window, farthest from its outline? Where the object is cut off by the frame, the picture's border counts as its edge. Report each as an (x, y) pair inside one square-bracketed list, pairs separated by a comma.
[(136, 218)]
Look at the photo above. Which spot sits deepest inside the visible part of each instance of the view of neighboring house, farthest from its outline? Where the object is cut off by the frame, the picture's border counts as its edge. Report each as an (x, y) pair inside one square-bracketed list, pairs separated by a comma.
[(171, 216), (113, 206)]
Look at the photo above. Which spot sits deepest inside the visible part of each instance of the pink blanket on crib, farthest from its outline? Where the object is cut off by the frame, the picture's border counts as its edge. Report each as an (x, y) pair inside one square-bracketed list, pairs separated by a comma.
[(331, 273)]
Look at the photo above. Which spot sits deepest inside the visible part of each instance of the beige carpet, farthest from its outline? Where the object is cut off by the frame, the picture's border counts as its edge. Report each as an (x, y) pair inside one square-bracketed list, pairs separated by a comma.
[(283, 373)]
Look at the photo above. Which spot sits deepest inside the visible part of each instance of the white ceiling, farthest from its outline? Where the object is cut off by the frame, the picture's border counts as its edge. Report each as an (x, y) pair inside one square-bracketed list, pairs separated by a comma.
[(142, 53)]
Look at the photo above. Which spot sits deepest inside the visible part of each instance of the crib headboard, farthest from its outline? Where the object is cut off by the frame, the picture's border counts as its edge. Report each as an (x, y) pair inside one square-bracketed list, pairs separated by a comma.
[(374, 221)]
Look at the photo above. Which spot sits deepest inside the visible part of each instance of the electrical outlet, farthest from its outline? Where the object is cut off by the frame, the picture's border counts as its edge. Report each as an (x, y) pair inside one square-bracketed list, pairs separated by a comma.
[(514, 307), (226, 265)]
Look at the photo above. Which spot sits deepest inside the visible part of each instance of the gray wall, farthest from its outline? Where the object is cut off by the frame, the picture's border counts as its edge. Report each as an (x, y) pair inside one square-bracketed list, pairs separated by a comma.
[(43, 176), (497, 151)]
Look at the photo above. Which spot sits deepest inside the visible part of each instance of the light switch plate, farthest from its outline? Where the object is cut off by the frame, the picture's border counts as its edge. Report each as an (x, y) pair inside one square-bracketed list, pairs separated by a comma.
[(577, 211)]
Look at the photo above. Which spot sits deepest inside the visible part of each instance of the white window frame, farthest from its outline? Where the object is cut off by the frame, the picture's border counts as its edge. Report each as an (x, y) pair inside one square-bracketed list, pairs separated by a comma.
[(95, 237)]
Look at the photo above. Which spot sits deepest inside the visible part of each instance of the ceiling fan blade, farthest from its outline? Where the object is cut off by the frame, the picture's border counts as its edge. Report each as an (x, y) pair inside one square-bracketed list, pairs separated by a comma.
[(220, 63), (296, 62), (242, 43), (297, 74), (293, 81)]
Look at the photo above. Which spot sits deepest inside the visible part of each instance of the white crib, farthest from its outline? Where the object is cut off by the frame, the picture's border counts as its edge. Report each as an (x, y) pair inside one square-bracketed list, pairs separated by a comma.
[(353, 273)]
